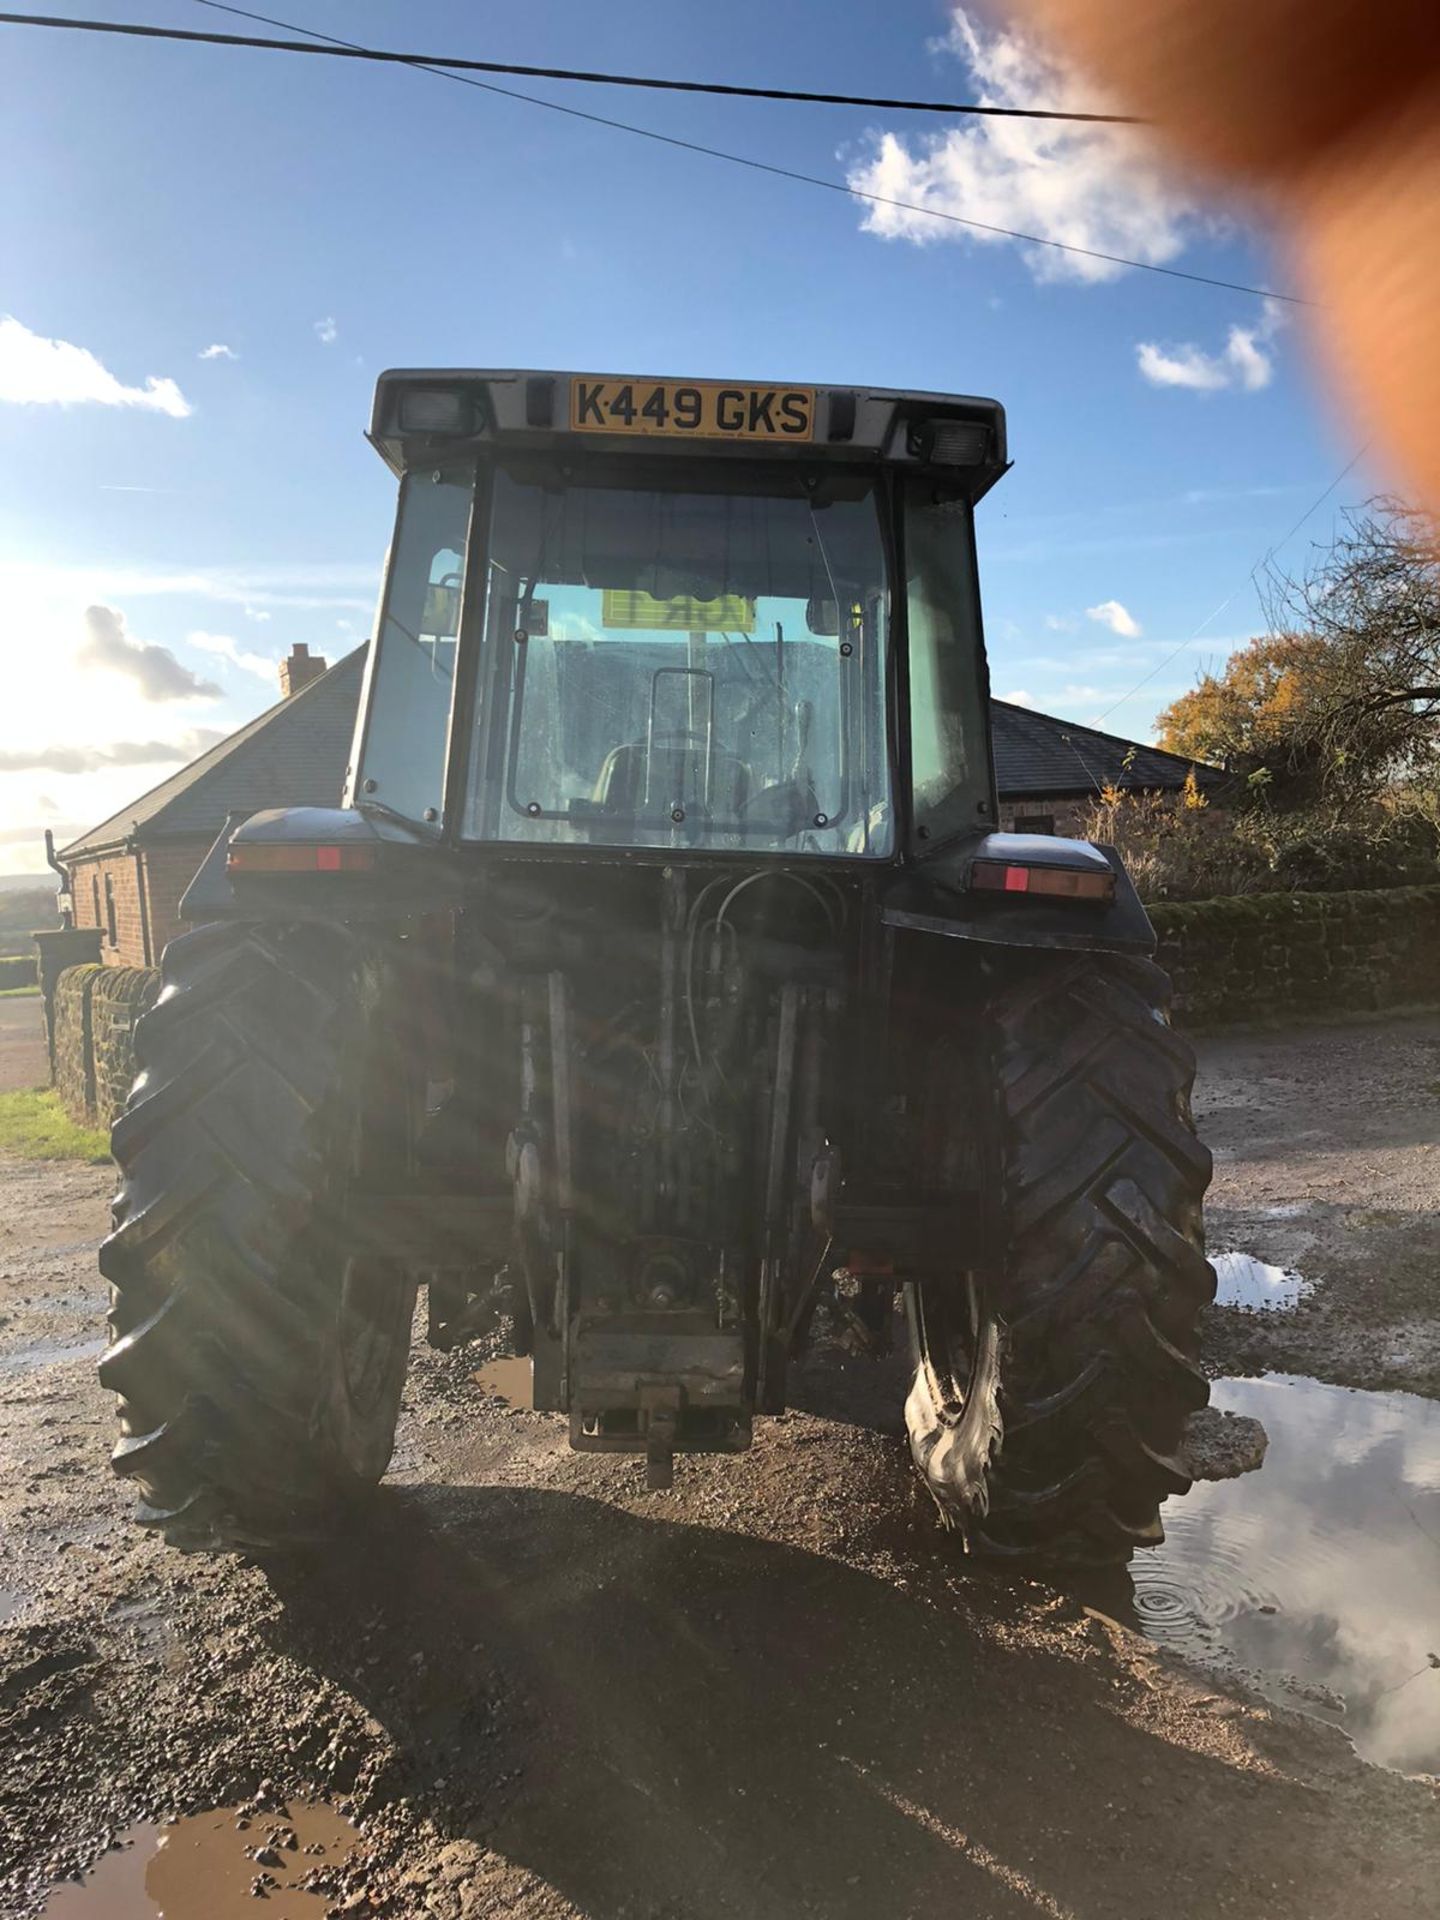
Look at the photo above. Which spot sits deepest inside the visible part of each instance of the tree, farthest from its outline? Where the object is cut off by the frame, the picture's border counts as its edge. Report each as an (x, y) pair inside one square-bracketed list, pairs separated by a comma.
[(1342, 696)]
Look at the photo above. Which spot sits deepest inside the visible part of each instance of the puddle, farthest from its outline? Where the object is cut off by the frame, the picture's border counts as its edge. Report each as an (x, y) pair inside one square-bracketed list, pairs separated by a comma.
[(11, 1602), (1243, 1281), (509, 1380), (1318, 1577), (49, 1353), (198, 1869)]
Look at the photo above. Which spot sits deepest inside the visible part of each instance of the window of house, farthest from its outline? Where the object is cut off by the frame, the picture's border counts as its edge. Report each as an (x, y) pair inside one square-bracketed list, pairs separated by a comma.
[(95, 896), (1034, 823), (112, 933)]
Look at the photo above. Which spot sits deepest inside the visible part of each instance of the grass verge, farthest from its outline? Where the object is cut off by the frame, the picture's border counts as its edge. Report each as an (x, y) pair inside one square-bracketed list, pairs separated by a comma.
[(35, 1126), (19, 993)]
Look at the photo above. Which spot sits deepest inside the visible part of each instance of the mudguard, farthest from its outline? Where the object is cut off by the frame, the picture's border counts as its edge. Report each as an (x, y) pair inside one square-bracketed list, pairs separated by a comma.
[(411, 872), (936, 897)]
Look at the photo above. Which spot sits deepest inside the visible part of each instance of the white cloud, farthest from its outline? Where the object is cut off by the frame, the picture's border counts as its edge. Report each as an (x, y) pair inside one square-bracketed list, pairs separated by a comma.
[(1059, 623), (1181, 367), (326, 330), (219, 351), (320, 583), (1019, 698), (1076, 695), (117, 740), (35, 371), (115, 753), (156, 672), (229, 649), (1210, 496), (1119, 619), (1242, 363), (1089, 186)]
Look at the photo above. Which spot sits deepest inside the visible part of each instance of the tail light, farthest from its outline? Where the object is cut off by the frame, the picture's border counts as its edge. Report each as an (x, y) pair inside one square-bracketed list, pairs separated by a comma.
[(260, 857), (1054, 883)]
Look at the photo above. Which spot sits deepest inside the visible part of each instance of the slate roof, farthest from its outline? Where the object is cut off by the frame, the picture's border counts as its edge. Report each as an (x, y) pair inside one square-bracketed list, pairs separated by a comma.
[(293, 755), (1038, 757), (296, 753)]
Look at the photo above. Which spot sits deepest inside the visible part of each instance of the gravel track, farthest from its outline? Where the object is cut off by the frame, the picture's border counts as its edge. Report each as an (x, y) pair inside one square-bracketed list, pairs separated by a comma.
[(778, 1691)]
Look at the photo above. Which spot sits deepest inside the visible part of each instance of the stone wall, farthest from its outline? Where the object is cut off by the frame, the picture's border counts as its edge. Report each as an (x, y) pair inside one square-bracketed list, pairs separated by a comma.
[(96, 1009), (56, 950), (1291, 956), (73, 1040), (1264, 956), (116, 1003)]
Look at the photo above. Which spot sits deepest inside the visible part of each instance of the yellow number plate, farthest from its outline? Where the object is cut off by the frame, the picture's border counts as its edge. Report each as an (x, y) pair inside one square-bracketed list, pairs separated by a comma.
[(698, 410)]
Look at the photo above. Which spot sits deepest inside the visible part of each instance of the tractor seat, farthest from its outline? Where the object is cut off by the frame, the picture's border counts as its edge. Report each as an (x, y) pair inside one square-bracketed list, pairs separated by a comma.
[(620, 788)]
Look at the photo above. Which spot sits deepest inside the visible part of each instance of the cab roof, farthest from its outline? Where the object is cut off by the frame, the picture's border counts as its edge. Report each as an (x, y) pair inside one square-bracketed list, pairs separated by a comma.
[(424, 414)]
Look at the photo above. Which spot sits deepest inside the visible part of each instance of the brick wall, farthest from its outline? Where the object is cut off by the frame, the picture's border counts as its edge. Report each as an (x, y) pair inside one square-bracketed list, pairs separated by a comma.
[(165, 869), (1287, 956), (169, 867), (96, 1011), (1066, 815), (111, 881)]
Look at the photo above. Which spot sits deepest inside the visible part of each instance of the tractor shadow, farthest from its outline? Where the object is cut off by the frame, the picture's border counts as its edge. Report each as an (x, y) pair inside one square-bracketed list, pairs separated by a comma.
[(656, 1718)]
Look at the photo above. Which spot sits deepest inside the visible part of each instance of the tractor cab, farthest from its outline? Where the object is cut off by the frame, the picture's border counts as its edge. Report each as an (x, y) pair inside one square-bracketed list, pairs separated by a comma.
[(680, 617)]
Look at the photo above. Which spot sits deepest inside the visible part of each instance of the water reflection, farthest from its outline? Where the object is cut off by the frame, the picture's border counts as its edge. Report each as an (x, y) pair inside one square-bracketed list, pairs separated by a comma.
[(49, 1353), (509, 1380), (1319, 1576), (213, 1866), (1243, 1281)]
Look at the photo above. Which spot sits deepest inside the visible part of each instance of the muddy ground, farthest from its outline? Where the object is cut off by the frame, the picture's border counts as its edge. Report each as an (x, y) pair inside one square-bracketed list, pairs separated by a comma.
[(1327, 1160), (778, 1691)]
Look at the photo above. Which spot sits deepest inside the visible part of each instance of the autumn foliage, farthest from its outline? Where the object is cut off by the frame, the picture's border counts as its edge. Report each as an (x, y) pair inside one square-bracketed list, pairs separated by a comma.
[(1342, 698)]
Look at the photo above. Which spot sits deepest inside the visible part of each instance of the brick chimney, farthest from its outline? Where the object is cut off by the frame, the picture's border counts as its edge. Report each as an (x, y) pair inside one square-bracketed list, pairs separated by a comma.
[(300, 669)]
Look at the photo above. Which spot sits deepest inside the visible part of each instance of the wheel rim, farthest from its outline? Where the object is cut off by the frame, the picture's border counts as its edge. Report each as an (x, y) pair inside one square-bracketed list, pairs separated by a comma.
[(952, 1414), (948, 1327)]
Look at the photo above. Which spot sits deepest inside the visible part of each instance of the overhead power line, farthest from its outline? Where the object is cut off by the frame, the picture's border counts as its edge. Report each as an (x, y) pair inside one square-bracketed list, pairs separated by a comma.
[(783, 173), (1264, 560), (421, 65), (348, 50)]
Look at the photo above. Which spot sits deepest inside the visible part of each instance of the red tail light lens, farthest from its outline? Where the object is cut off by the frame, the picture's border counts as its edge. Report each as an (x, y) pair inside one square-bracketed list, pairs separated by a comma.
[(257, 857), (1054, 883)]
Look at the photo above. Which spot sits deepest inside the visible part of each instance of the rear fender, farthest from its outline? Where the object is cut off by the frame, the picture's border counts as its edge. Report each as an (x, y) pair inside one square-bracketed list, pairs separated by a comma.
[(937, 897), (406, 871)]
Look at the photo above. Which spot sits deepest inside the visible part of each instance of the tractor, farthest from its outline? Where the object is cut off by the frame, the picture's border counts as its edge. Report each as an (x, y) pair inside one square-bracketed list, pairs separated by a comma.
[(663, 979)]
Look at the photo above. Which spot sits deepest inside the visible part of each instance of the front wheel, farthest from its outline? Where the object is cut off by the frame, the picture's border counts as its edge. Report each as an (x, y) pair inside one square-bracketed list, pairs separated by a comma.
[(1050, 1396), (257, 1352)]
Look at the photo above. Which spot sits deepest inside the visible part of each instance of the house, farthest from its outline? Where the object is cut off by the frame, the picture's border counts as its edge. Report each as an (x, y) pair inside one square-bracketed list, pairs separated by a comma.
[(127, 874), (1049, 771)]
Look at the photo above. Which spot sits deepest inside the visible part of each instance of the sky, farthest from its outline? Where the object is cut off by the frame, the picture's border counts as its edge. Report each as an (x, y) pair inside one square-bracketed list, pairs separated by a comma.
[(207, 256)]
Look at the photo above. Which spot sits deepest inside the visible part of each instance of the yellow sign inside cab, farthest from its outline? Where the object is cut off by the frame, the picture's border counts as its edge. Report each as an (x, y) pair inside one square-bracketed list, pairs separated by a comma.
[(696, 410), (641, 613)]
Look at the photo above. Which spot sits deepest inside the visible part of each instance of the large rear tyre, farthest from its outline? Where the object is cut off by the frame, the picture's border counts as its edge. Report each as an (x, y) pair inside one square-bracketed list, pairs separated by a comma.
[(257, 1352), (1050, 1396)]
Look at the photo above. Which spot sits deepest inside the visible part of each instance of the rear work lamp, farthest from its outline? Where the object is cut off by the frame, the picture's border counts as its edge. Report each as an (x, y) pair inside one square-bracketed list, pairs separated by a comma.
[(951, 443), (435, 410), (1055, 883), (257, 857)]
